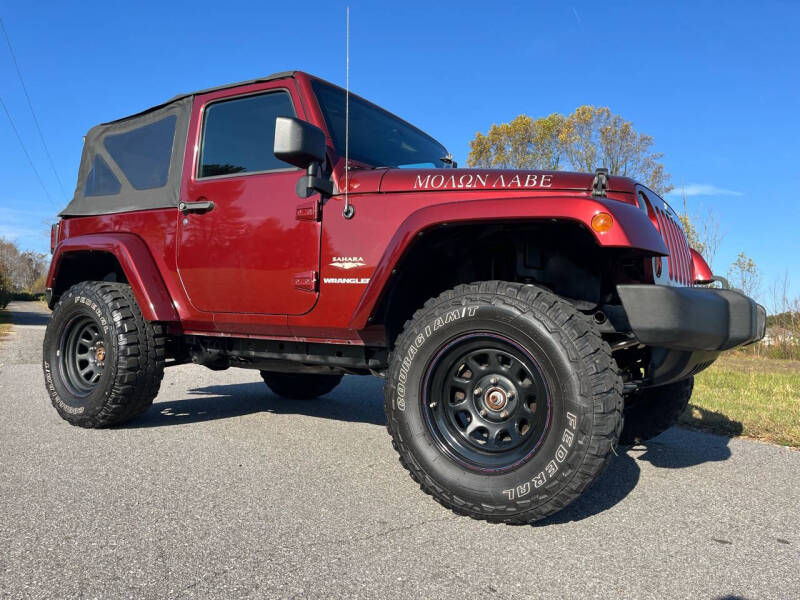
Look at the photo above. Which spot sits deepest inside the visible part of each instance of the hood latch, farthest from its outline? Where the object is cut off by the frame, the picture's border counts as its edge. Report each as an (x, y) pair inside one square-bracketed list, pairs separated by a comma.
[(600, 183)]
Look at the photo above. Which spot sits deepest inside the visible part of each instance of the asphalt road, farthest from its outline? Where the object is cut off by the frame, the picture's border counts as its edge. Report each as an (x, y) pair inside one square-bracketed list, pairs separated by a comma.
[(224, 490)]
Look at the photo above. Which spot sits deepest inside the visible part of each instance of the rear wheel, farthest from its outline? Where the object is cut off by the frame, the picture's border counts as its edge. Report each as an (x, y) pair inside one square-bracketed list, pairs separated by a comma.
[(652, 411), (300, 386), (503, 401), (103, 363)]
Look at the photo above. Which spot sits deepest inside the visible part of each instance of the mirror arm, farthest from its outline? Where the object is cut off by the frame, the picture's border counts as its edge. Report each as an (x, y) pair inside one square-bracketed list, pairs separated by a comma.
[(312, 182), (315, 181)]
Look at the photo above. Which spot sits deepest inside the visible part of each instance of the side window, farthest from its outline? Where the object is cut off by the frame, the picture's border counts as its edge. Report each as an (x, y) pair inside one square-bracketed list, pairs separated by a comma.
[(238, 135), (144, 153), (101, 181)]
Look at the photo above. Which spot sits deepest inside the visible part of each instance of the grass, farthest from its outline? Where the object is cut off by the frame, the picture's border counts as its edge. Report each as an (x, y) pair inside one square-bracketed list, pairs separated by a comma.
[(5, 323), (749, 396)]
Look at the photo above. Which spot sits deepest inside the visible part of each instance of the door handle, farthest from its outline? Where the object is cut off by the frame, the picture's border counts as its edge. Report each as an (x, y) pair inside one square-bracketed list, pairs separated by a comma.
[(201, 206)]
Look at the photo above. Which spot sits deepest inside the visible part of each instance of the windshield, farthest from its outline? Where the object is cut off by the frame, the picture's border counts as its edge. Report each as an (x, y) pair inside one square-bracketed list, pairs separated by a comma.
[(377, 138)]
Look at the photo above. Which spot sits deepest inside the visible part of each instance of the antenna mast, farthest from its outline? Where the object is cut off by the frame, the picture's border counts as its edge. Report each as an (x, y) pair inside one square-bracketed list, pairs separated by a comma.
[(348, 211)]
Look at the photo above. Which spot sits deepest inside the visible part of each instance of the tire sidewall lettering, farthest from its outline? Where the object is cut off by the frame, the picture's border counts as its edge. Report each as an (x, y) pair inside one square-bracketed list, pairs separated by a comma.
[(550, 469), (53, 393), (70, 307), (93, 306), (414, 347)]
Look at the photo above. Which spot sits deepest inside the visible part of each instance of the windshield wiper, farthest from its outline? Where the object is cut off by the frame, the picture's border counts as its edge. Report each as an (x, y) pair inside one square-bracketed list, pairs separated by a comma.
[(366, 168), (448, 160)]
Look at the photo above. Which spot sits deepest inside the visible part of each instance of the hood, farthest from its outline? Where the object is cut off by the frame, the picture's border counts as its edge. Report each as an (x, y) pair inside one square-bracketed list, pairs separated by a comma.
[(464, 180)]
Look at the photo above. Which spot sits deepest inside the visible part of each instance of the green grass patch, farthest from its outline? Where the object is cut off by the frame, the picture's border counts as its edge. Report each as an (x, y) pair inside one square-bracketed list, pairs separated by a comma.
[(749, 396), (5, 323)]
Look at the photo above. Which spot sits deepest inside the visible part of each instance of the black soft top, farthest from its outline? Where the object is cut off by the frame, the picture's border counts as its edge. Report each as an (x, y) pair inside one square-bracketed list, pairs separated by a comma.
[(136, 162)]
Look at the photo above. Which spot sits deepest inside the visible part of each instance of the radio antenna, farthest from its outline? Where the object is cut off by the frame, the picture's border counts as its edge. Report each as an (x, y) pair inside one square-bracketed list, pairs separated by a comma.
[(348, 211)]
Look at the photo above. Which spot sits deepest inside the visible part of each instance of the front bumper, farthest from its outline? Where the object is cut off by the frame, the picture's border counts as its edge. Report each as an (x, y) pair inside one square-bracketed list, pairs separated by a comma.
[(693, 319)]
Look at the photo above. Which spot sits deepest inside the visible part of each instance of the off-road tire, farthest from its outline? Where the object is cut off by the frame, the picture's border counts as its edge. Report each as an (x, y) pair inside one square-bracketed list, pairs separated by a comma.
[(133, 364), (652, 411), (300, 386), (583, 399)]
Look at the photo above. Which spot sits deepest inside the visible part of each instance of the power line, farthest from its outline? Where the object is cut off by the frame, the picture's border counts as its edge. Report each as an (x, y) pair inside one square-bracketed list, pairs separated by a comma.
[(33, 112), (25, 150)]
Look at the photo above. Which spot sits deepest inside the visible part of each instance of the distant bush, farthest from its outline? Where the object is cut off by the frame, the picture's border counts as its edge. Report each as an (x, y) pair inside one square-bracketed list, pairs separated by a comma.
[(7, 296), (786, 349), (26, 297), (782, 339)]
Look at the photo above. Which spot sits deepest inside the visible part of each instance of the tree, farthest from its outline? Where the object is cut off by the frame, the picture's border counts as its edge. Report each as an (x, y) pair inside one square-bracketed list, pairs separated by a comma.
[(22, 271), (32, 269), (744, 275), (783, 325), (523, 143), (5, 287), (588, 138)]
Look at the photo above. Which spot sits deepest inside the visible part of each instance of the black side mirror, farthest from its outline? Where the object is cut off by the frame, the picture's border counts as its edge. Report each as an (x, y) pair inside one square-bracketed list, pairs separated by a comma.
[(303, 145), (298, 143)]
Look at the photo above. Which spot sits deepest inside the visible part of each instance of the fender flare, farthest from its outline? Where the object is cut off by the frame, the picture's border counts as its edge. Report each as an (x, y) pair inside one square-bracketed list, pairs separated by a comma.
[(632, 229), (137, 263)]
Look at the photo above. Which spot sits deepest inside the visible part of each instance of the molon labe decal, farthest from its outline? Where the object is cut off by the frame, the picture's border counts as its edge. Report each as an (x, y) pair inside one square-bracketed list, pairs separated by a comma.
[(479, 181)]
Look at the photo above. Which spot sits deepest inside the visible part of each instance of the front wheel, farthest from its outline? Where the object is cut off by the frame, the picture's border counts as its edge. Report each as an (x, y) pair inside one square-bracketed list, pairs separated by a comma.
[(503, 401)]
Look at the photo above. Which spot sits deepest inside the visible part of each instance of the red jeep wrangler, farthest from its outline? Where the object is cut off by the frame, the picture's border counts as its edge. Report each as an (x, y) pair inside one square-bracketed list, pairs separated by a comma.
[(525, 321)]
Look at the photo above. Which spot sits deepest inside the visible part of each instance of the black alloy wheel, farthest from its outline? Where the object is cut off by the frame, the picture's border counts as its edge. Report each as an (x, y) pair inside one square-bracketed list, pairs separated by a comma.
[(486, 402), (82, 353)]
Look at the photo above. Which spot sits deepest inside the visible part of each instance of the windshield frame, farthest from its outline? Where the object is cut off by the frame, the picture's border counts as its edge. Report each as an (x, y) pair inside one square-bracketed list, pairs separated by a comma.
[(359, 162)]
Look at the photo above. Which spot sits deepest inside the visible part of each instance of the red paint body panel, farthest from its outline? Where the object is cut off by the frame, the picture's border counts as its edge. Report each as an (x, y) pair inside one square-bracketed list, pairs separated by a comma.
[(136, 261), (701, 272), (233, 270), (627, 232)]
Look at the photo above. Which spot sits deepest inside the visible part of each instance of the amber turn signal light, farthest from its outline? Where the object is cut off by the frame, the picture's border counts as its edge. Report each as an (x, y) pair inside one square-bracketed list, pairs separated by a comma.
[(602, 222)]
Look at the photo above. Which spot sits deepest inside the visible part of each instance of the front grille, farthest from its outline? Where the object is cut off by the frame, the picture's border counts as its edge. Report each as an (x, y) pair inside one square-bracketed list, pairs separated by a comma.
[(679, 261)]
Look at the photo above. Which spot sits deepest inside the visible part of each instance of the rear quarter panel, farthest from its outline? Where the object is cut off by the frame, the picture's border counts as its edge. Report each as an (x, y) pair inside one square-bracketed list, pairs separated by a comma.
[(144, 244)]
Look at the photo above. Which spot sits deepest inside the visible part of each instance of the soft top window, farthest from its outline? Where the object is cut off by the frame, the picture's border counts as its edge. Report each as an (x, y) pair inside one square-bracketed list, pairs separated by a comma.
[(143, 154), (101, 181), (134, 163)]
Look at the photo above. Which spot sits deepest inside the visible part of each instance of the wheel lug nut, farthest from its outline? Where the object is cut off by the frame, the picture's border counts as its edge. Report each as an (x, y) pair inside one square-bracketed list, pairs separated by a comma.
[(484, 412), (493, 380), (478, 391), (504, 414), (510, 395), (432, 404)]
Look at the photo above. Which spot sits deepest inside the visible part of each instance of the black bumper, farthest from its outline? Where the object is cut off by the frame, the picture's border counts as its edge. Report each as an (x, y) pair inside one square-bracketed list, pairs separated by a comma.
[(692, 318)]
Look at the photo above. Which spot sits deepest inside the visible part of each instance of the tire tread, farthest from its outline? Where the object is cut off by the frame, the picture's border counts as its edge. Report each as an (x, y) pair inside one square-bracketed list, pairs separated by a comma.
[(141, 355), (597, 372)]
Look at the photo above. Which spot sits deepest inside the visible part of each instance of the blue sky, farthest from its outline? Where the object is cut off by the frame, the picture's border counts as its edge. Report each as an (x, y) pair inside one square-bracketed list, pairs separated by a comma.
[(716, 84)]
